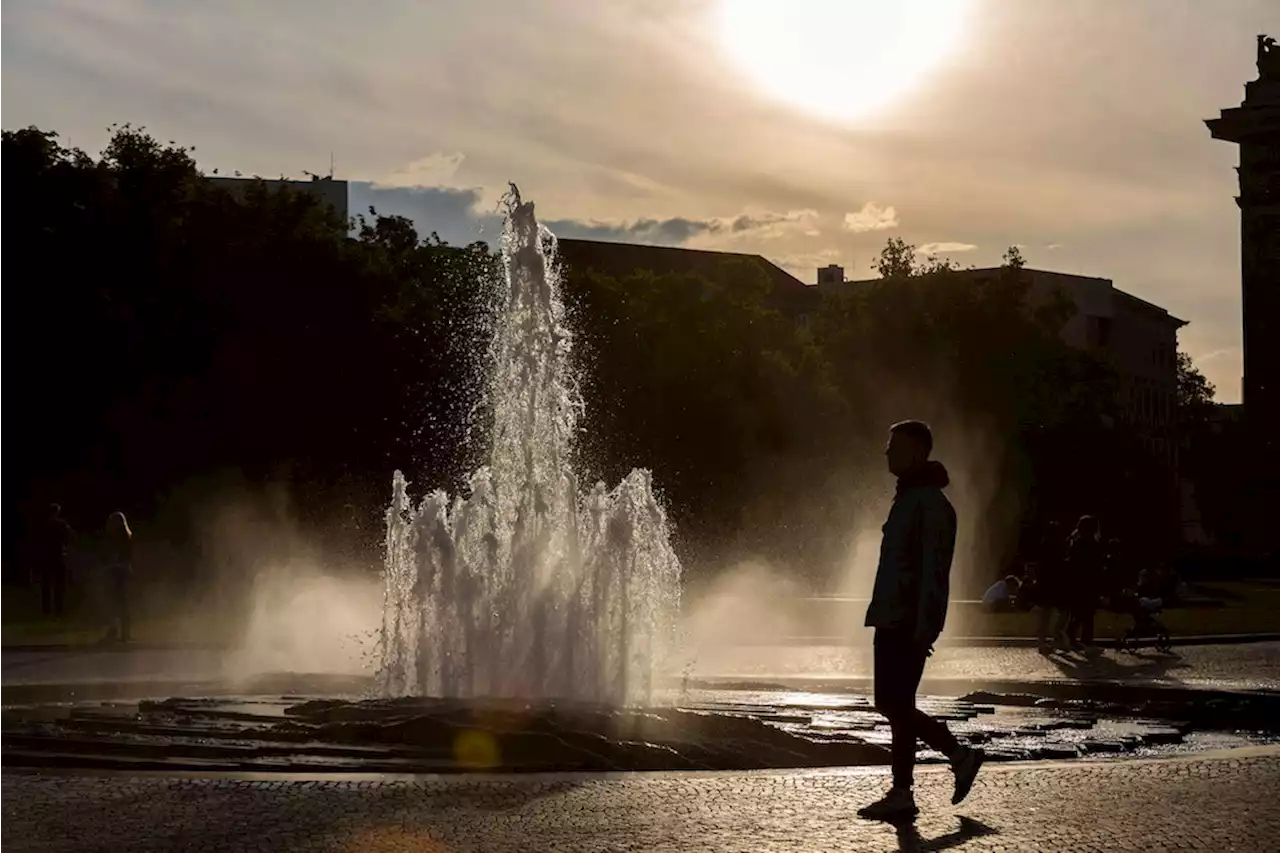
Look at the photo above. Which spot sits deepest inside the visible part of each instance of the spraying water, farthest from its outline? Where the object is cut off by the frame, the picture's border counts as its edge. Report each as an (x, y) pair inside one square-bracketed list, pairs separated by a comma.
[(529, 587)]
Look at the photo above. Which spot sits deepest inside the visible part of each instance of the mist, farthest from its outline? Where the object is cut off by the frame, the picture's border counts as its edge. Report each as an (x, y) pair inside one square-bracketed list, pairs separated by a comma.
[(304, 620), (285, 596), (228, 565), (755, 601)]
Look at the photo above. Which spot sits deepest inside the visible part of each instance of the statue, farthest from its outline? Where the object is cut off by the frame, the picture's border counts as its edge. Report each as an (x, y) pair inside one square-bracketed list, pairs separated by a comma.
[(1268, 58)]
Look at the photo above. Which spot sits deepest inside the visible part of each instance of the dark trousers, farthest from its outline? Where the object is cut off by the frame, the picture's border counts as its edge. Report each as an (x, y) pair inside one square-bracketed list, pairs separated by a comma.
[(899, 664), (119, 603), (53, 593), (1081, 626)]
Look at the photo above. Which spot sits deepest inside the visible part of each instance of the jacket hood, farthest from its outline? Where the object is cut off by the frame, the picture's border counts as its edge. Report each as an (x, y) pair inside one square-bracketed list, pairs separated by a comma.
[(933, 473)]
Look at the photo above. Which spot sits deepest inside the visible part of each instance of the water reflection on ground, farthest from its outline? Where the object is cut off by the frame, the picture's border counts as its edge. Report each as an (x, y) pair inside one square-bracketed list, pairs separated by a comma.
[(749, 727)]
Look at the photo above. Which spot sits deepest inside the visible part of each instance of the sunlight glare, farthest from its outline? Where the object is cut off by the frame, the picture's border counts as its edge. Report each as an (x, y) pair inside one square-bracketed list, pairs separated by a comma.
[(839, 59)]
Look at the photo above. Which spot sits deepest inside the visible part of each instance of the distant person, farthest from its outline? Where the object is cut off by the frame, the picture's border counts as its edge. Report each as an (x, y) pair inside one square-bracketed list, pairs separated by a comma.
[(1052, 590), (1086, 563), (51, 569), (1173, 589), (1001, 596), (1151, 589), (908, 608), (118, 563), (1117, 574)]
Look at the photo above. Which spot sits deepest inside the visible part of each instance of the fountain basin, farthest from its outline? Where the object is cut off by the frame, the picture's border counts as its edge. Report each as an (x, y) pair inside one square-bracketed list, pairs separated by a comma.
[(710, 730)]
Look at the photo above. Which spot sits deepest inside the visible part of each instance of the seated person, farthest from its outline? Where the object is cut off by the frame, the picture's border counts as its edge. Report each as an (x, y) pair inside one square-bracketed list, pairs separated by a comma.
[(1150, 590), (1002, 595)]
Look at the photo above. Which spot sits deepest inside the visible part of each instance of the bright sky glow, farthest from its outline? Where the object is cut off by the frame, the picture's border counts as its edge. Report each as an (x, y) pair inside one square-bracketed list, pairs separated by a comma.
[(839, 59)]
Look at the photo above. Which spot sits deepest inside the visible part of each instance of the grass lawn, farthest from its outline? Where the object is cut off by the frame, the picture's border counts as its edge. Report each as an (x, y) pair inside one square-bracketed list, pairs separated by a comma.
[(23, 624), (1239, 607), (1246, 607)]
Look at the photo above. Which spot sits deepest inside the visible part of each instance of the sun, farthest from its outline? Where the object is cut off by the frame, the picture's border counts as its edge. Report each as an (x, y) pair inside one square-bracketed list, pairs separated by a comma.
[(839, 59)]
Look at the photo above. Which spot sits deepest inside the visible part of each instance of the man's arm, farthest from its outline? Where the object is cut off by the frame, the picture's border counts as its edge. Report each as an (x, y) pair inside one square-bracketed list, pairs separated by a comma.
[(937, 546)]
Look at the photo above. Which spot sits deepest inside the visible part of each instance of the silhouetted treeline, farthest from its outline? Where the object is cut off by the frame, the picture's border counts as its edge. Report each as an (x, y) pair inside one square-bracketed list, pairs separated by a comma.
[(172, 346), (174, 343)]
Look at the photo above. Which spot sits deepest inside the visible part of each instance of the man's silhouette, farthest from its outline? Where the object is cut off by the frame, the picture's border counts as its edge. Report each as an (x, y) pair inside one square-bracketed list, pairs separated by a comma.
[(907, 610)]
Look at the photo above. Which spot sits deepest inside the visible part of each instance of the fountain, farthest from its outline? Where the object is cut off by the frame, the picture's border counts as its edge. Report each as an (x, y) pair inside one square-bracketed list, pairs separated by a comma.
[(529, 587), (503, 604)]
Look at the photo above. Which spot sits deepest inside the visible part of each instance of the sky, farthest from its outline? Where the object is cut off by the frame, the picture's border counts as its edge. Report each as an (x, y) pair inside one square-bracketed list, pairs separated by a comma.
[(808, 131)]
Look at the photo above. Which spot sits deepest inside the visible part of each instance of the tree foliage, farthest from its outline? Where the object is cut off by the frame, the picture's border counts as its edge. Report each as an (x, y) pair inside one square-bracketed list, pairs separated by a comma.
[(172, 332), (1194, 402)]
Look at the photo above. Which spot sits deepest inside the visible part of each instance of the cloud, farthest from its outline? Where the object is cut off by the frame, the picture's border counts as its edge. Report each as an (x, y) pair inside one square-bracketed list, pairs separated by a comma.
[(768, 224), (433, 170), (461, 215), (455, 214), (872, 217), (1232, 353), (571, 108), (938, 248), (652, 231), (678, 230)]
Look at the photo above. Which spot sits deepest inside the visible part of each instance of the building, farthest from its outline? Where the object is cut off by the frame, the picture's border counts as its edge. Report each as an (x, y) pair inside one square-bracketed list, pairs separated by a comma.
[(326, 189), (1140, 342), (1255, 127), (830, 274), (1138, 338), (623, 259)]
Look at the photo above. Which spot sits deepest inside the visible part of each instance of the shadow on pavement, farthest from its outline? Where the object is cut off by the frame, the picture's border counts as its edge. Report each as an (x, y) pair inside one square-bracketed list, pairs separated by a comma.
[(1103, 667), (909, 840)]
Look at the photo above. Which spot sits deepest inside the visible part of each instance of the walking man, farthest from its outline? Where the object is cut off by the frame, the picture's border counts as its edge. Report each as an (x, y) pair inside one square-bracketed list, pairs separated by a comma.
[(907, 610)]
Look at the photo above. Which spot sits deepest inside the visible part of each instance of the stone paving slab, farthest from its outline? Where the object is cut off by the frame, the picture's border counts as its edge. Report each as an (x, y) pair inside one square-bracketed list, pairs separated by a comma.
[(1221, 802)]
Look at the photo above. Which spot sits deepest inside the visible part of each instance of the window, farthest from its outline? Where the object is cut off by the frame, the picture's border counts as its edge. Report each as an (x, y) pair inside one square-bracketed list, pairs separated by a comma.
[(1098, 330)]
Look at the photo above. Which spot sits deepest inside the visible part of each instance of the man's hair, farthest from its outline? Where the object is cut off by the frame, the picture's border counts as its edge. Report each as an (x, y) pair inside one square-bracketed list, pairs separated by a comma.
[(918, 430)]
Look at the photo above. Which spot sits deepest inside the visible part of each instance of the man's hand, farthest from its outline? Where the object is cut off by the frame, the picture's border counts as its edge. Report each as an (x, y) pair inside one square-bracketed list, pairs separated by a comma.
[(924, 642)]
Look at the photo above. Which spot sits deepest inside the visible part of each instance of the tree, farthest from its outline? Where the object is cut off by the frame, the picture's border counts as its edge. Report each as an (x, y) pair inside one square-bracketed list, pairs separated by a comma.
[(173, 333), (1195, 393)]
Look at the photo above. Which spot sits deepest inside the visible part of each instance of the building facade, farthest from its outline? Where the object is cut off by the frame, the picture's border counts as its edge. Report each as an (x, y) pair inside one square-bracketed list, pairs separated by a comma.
[(1255, 127), (1139, 339)]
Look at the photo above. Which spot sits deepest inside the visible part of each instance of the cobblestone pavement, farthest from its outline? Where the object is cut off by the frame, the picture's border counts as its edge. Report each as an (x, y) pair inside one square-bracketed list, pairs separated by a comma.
[(1220, 802)]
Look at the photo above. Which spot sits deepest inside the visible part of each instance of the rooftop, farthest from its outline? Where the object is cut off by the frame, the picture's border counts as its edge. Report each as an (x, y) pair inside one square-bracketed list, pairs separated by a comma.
[(623, 259), (607, 256), (1064, 278)]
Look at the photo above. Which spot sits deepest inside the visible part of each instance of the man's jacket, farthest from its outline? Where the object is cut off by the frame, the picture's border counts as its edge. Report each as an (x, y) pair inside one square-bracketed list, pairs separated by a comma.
[(913, 578)]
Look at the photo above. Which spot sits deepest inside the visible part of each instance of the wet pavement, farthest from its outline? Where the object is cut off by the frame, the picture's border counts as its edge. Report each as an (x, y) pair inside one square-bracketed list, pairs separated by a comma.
[(1199, 800), (1213, 802), (713, 730), (1244, 666)]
